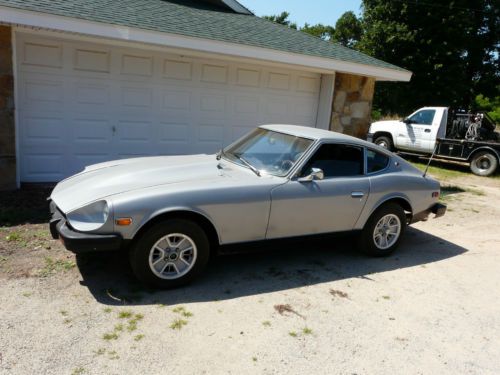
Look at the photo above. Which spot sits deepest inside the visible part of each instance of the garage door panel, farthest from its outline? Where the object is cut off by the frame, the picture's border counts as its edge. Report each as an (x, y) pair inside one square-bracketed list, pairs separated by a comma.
[(83, 103)]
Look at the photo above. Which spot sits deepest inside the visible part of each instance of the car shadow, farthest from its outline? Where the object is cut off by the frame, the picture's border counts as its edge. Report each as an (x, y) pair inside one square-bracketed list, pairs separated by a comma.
[(264, 269)]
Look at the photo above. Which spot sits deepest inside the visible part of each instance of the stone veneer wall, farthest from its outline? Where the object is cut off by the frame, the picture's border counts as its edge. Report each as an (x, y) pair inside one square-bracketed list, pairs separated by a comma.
[(352, 104), (7, 129)]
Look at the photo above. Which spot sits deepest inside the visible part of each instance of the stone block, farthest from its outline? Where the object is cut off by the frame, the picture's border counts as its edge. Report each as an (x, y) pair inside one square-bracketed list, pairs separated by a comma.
[(368, 90), (335, 125), (360, 110), (345, 120), (339, 101)]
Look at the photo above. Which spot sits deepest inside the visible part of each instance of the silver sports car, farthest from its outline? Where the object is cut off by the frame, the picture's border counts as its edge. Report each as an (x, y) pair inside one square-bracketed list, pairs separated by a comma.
[(278, 181)]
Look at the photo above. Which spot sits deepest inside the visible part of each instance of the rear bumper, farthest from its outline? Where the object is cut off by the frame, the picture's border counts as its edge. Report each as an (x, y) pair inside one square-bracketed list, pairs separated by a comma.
[(437, 209), (78, 242)]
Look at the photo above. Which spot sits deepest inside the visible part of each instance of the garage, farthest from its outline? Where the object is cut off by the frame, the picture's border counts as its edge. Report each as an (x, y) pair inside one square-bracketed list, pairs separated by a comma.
[(81, 103)]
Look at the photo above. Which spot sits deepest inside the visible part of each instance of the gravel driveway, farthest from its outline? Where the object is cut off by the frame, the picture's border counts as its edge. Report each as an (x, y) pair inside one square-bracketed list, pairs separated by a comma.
[(313, 307)]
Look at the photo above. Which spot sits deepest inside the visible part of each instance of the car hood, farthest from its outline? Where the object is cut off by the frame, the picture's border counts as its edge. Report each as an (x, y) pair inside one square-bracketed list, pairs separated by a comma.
[(386, 123), (105, 179)]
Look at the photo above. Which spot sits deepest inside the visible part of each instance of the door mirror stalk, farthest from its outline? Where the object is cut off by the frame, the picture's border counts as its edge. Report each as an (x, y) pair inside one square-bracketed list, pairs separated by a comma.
[(315, 174)]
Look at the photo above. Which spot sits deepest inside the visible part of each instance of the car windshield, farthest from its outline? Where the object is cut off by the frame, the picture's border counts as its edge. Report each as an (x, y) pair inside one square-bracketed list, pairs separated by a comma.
[(267, 151)]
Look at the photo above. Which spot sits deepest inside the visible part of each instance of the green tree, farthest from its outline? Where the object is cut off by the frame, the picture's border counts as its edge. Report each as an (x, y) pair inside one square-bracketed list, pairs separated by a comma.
[(282, 19), (450, 46), (348, 30)]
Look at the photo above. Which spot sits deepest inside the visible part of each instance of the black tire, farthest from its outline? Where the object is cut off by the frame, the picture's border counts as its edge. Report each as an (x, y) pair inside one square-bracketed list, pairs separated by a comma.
[(142, 248), (366, 242), (385, 142), (484, 163)]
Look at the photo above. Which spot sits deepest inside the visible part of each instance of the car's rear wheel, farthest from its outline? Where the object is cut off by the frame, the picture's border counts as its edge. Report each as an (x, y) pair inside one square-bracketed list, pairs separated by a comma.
[(382, 233), (484, 163), (170, 253), (385, 142)]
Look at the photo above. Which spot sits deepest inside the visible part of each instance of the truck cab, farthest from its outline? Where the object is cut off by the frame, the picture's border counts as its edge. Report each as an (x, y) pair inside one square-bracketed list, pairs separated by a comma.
[(446, 134), (416, 133)]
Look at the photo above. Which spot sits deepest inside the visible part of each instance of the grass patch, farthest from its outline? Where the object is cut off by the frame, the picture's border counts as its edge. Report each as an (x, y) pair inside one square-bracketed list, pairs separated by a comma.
[(54, 266), (100, 351), (293, 333), (138, 337), (78, 371), (386, 297), (118, 327), (107, 310), (178, 323), (266, 323), (125, 314), (110, 336), (14, 237), (307, 331), (27, 294), (181, 310), (443, 171)]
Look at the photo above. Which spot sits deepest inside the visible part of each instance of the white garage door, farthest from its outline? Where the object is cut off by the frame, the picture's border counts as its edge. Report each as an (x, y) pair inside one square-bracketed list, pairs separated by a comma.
[(82, 103)]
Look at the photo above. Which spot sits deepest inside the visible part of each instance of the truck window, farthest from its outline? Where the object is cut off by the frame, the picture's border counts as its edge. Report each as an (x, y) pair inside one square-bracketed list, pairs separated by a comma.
[(423, 117), (375, 161)]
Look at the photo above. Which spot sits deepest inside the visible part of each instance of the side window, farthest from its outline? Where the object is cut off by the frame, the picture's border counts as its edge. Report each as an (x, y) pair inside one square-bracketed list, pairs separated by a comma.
[(336, 161), (375, 161), (423, 117)]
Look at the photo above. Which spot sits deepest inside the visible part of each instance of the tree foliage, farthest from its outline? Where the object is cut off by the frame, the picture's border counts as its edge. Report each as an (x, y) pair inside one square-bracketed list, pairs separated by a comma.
[(452, 48)]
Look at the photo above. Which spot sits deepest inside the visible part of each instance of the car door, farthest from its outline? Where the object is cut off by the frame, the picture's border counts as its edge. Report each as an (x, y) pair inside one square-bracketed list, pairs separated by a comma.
[(332, 204), (415, 133)]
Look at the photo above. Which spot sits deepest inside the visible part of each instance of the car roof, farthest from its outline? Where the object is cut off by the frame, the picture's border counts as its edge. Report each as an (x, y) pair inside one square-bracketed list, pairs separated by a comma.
[(314, 133)]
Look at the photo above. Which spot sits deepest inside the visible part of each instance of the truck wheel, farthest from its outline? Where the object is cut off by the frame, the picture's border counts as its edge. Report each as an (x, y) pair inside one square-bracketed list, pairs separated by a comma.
[(170, 253), (385, 142), (483, 163), (383, 231)]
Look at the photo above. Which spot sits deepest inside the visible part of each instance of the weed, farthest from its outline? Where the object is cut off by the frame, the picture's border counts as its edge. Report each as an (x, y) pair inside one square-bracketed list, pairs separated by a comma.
[(386, 297), (107, 310), (100, 351), (338, 293), (178, 323), (3, 259), (14, 237), (78, 371), (138, 337), (266, 323), (293, 333), (254, 359), (181, 310), (64, 313), (113, 355), (67, 321), (53, 266), (138, 317), (118, 327), (27, 294), (132, 325), (307, 331), (125, 314), (110, 336)]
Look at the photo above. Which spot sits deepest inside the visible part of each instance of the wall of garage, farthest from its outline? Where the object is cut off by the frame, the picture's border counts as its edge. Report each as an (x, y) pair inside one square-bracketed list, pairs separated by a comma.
[(7, 125), (352, 104)]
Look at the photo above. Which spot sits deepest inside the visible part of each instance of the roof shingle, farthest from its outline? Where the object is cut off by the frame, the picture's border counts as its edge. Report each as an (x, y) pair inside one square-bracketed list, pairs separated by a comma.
[(198, 19)]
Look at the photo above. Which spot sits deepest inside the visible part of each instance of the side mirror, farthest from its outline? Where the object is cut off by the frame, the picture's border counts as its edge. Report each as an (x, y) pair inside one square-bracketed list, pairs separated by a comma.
[(316, 174), (407, 121)]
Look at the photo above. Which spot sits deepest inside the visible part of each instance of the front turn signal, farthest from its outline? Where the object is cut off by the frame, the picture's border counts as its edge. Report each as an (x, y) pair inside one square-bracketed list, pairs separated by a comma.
[(123, 221)]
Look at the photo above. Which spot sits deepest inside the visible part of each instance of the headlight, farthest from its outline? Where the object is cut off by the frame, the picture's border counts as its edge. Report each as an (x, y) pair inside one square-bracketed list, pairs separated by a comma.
[(90, 217)]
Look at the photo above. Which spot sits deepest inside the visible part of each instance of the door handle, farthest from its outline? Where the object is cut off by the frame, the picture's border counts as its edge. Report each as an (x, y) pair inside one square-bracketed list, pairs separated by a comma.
[(427, 130), (357, 194)]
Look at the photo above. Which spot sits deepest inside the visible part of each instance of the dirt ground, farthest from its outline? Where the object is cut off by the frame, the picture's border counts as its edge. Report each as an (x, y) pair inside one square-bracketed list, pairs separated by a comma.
[(313, 307)]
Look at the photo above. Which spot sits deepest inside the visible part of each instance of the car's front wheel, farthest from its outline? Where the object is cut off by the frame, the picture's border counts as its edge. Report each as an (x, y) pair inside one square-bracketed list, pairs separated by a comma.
[(169, 254), (382, 233)]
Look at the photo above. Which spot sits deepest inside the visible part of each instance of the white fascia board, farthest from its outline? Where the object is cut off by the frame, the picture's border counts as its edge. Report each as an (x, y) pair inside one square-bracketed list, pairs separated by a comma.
[(98, 29)]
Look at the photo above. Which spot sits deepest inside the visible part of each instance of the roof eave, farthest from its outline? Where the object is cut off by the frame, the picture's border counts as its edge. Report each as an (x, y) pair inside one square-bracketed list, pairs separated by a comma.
[(104, 30)]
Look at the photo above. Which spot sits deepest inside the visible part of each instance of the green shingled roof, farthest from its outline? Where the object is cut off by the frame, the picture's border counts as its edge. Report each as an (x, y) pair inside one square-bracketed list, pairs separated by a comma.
[(197, 19)]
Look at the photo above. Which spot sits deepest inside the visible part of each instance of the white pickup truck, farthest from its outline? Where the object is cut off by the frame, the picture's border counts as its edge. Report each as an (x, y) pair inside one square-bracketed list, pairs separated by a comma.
[(448, 134)]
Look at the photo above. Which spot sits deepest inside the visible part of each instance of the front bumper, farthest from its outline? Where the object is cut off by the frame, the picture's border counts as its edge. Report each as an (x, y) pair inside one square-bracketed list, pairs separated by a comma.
[(437, 209), (78, 242)]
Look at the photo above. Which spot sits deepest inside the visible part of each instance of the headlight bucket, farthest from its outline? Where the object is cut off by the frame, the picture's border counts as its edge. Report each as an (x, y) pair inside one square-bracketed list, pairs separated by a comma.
[(90, 217)]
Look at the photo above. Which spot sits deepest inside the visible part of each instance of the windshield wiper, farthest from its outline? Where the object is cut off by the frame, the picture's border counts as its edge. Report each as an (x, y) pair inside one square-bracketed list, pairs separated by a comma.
[(255, 170)]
